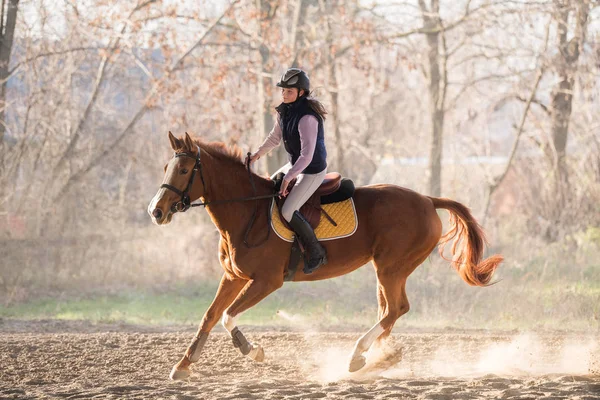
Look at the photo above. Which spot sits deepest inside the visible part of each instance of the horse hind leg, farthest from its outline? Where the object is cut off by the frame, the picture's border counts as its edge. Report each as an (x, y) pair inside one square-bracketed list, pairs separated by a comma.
[(391, 284), (381, 311), (393, 303), (398, 305), (381, 302)]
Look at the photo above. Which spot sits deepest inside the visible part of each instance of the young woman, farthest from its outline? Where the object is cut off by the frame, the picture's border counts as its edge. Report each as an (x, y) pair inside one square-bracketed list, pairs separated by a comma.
[(300, 124)]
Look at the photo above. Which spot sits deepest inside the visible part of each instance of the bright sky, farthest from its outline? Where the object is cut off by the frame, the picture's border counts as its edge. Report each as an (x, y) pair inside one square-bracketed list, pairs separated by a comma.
[(404, 14), (33, 12)]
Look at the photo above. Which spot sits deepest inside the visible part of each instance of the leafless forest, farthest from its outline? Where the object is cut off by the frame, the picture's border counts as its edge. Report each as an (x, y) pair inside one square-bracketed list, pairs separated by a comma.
[(493, 103)]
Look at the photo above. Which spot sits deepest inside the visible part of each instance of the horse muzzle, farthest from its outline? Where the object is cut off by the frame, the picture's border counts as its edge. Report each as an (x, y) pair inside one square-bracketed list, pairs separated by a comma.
[(158, 215)]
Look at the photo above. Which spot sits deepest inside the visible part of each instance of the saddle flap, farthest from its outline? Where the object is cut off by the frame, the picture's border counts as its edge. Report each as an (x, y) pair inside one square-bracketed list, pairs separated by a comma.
[(309, 210), (343, 214)]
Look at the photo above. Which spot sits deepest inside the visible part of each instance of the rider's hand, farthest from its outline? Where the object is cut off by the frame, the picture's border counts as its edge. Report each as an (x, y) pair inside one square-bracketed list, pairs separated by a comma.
[(283, 191), (252, 158)]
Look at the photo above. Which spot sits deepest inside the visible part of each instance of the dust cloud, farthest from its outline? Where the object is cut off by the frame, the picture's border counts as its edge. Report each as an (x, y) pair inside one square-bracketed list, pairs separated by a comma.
[(527, 354)]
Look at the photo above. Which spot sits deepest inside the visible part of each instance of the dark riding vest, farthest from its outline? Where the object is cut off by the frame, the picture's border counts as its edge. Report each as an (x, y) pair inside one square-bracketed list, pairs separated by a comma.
[(290, 116)]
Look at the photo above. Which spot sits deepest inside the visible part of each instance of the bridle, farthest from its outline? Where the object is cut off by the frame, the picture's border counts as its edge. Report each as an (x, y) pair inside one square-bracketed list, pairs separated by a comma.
[(184, 203)]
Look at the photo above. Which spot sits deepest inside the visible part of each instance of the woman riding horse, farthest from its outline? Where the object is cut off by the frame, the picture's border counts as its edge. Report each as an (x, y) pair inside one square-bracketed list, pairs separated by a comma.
[(300, 124), (398, 230)]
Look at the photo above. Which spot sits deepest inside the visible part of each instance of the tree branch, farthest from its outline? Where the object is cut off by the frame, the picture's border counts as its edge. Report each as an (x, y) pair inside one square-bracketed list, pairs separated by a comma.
[(498, 180), (140, 113), (54, 53)]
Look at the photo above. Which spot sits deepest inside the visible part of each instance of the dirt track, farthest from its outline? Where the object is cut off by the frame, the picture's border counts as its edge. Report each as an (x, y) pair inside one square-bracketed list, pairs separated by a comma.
[(79, 360)]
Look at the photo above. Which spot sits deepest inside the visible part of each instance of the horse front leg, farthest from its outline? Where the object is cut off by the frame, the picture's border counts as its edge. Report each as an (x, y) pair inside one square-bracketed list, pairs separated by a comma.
[(256, 290), (226, 293)]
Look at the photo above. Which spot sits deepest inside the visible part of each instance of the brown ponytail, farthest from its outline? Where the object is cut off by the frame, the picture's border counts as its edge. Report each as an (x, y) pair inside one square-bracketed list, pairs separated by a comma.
[(316, 106)]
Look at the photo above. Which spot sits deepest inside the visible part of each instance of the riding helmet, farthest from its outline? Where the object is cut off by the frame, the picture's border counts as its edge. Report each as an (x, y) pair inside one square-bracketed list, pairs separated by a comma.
[(294, 78)]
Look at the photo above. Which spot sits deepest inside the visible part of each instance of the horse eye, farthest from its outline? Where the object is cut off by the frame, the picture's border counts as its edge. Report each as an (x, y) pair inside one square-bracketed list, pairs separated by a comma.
[(183, 171)]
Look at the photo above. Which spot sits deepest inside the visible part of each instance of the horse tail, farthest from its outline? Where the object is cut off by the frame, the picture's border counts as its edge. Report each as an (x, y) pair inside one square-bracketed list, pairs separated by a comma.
[(468, 245)]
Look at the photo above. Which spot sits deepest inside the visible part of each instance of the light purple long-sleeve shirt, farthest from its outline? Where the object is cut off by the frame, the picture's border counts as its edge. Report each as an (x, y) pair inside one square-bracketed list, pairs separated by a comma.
[(308, 126)]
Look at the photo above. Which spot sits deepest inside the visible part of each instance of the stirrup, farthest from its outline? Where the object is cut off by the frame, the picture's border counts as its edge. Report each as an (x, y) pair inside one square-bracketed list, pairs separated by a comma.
[(309, 270)]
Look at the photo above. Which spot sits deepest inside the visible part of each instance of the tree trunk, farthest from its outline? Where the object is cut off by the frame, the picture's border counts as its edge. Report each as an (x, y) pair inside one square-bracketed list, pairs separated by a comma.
[(435, 153), (431, 21), (298, 46), (562, 96), (566, 68), (7, 31), (562, 99), (334, 117), (276, 158), (333, 90)]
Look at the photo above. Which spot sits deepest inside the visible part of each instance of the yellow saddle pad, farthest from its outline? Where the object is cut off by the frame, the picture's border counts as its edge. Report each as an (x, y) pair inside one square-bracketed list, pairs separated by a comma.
[(343, 213)]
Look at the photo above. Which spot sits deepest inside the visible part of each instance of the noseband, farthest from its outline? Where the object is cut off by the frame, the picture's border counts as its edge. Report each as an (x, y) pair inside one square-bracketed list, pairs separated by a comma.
[(184, 203)]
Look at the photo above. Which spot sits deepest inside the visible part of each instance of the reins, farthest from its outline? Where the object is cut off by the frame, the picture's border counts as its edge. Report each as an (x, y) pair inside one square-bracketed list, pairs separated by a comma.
[(265, 196)]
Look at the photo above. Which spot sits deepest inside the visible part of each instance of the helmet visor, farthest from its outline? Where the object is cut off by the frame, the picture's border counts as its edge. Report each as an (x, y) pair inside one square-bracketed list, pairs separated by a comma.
[(290, 77)]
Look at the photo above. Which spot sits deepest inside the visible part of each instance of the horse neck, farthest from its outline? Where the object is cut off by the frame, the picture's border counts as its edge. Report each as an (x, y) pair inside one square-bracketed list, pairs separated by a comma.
[(225, 180)]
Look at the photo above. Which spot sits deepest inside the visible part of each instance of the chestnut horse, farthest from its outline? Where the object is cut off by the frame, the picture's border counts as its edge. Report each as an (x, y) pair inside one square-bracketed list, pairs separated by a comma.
[(398, 229)]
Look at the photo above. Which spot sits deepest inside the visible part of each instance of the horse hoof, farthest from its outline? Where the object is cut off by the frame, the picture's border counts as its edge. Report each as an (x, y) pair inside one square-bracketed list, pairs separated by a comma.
[(357, 363), (179, 374), (257, 353)]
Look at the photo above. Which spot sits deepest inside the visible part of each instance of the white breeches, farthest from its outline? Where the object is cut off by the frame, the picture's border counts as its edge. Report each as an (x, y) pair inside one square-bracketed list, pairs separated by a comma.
[(306, 186)]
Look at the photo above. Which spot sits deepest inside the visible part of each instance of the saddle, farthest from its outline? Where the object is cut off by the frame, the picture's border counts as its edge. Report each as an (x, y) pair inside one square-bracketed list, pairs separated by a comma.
[(333, 189)]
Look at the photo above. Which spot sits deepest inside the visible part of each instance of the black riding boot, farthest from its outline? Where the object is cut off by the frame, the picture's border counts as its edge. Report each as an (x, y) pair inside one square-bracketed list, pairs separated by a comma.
[(316, 252)]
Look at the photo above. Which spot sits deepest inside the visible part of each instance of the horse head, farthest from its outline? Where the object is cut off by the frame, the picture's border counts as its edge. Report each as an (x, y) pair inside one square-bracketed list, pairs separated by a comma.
[(182, 183)]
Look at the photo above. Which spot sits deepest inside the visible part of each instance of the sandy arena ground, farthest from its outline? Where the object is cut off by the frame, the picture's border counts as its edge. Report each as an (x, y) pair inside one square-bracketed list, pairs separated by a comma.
[(79, 360)]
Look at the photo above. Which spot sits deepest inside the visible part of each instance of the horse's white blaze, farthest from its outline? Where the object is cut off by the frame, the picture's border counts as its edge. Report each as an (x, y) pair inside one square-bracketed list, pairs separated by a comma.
[(154, 202), (161, 192), (364, 343), (228, 322)]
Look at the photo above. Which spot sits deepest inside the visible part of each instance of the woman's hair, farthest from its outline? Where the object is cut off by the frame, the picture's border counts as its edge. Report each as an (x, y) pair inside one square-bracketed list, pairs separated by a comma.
[(316, 105)]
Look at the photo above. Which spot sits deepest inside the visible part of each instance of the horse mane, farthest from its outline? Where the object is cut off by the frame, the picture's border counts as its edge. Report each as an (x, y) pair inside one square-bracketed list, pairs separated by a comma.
[(228, 153), (223, 151)]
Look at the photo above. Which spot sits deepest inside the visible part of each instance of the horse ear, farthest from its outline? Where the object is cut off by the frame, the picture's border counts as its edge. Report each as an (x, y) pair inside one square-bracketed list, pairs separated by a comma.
[(175, 143), (189, 143)]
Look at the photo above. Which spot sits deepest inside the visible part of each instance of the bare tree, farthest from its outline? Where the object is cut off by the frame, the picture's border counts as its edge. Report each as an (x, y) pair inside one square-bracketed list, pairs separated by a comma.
[(408, 84), (8, 22), (438, 81), (566, 69), (329, 10), (497, 181)]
